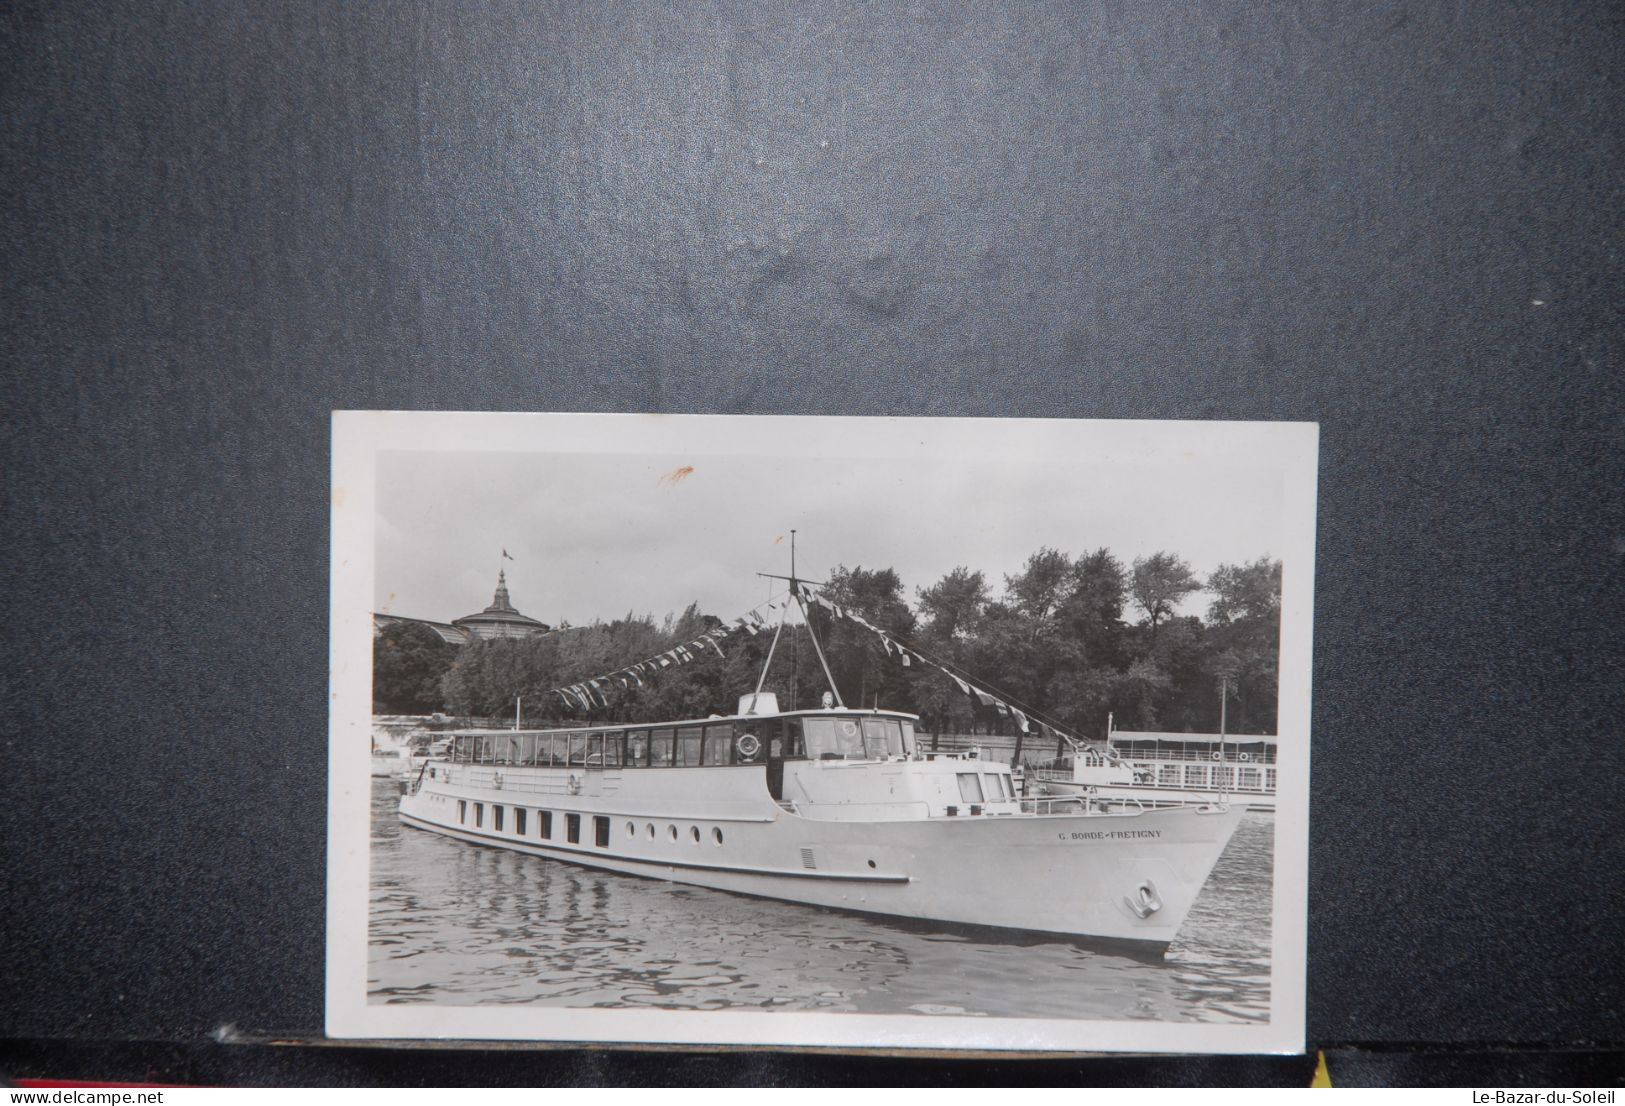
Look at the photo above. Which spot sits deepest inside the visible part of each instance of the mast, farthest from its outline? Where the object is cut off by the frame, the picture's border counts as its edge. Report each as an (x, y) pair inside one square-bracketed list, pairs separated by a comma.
[(795, 590), (795, 640)]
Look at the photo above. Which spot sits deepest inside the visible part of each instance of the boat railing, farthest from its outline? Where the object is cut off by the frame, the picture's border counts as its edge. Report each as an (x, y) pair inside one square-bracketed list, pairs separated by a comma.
[(1231, 756)]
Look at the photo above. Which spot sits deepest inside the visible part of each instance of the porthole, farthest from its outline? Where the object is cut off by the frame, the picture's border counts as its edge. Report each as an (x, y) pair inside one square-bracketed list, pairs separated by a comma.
[(871, 864), (673, 831), (716, 836), (694, 832), (631, 830), (651, 831)]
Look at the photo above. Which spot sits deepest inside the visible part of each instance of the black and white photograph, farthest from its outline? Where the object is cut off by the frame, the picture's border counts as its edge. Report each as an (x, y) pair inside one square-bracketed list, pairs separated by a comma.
[(853, 732)]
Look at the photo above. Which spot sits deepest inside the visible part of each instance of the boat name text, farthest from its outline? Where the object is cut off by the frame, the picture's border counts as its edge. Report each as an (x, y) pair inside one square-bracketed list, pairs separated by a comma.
[(1097, 835)]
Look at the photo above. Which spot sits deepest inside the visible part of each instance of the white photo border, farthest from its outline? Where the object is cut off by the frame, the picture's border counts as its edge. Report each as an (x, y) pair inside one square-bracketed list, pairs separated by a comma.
[(359, 436)]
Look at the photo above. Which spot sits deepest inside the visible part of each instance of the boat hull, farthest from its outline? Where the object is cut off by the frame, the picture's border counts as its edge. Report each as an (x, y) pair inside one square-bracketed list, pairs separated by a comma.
[(1129, 877)]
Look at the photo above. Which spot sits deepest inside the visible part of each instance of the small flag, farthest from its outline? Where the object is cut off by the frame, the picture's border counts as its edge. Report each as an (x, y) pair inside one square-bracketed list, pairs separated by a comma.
[(505, 555), (963, 686), (1021, 720), (712, 643), (907, 660)]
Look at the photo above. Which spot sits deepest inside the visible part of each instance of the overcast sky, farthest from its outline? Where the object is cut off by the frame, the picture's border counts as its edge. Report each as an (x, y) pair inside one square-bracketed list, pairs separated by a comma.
[(595, 536)]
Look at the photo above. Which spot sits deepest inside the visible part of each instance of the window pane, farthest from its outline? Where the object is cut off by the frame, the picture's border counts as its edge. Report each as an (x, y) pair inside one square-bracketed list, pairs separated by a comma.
[(519, 820), (820, 737), (660, 748), (848, 737), (970, 787), (612, 750), (719, 740), (882, 738), (688, 746), (908, 738), (637, 748)]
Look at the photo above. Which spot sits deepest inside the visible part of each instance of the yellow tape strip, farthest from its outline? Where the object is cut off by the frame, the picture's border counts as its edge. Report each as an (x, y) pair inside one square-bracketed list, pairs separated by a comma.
[(1322, 1076)]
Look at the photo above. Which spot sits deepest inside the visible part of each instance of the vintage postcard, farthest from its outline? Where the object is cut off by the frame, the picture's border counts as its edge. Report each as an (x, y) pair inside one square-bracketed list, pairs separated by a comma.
[(865, 733)]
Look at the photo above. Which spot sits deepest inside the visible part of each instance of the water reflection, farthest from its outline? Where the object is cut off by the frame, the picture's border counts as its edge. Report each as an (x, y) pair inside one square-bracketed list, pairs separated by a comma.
[(461, 924)]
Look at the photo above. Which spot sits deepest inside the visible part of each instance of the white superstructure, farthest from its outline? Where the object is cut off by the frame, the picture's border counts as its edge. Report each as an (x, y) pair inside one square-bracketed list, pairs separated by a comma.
[(834, 808)]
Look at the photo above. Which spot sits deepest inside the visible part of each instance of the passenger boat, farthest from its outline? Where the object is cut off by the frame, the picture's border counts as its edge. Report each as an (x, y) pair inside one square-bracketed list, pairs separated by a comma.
[(1167, 769), (834, 807)]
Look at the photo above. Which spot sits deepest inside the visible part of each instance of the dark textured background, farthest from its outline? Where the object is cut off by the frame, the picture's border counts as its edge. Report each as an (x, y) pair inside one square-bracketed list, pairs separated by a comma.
[(221, 222)]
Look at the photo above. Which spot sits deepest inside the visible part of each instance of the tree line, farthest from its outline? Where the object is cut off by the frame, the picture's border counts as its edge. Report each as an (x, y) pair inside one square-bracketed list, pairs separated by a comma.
[(1068, 639)]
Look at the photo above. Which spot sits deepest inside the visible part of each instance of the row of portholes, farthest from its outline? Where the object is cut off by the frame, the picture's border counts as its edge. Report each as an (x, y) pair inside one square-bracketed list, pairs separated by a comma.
[(693, 831)]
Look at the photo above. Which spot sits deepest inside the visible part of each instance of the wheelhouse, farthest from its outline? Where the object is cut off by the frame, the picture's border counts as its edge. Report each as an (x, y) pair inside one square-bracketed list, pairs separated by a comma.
[(712, 742)]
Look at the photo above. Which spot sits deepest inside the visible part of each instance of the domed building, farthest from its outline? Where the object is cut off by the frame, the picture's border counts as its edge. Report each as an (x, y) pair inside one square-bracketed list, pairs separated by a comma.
[(499, 620)]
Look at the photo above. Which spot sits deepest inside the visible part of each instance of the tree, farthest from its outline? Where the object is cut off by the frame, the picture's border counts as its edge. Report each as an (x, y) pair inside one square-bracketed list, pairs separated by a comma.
[(1092, 613), (1250, 592), (953, 605), (1245, 619), (1038, 588), (863, 670), (1161, 581), (1138, 687), (407, 663)]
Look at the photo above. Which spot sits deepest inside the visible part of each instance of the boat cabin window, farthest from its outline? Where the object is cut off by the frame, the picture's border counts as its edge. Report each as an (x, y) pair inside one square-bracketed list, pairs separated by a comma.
[(637, 748), (612, 749), (793, 747), (572, 828), (719, 743), (688, 746), (544, 823), (833, 738), (882, 737), (970, 787), (496, 818), (519, 820), (479, 814), (660, 748), (908, 738)]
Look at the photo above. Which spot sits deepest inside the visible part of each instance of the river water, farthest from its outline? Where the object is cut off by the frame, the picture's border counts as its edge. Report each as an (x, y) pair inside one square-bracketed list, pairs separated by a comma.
[(462, 924)]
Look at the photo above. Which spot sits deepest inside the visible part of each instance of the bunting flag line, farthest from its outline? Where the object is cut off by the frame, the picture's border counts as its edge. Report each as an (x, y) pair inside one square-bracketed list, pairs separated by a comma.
[(591, 693)]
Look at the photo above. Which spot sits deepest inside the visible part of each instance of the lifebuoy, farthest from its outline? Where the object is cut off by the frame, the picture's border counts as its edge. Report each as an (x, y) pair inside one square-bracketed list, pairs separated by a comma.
[(1213, 756), (575, 784), (748, 746), (1246, 756)]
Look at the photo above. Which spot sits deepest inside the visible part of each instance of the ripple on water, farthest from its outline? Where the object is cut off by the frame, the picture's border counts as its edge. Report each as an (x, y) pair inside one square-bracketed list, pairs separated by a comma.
[(459, 924)]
